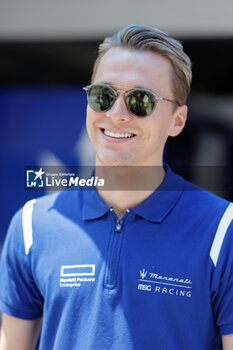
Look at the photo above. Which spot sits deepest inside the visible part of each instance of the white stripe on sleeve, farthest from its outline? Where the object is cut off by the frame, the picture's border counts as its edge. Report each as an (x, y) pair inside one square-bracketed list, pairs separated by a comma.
[(220, 234), (27, 224)]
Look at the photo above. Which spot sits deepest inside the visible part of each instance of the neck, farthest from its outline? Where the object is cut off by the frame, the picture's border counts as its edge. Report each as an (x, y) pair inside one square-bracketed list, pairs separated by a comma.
[(127, 186)]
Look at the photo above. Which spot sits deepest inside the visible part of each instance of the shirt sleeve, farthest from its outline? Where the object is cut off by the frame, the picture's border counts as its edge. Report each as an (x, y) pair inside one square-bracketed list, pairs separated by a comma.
[(19, 295), (222, 285)]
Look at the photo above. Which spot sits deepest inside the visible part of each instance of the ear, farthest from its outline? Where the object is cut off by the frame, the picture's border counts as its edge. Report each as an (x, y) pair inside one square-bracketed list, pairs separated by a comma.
[(178, 120)]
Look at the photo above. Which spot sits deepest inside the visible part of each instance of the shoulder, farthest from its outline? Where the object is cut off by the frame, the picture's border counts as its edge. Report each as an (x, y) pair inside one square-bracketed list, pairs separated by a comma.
[(204, 202), (58, 201), (211, 213), (210, 217), (195, 201), (39, 217), (42, 210)]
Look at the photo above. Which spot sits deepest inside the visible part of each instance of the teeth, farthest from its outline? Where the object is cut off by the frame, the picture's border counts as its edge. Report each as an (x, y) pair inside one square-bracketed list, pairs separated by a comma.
[(117, 134)]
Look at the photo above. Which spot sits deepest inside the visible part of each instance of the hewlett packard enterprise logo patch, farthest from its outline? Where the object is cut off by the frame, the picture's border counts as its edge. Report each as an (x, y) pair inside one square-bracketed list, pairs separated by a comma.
[(76, 275), (34, 178)]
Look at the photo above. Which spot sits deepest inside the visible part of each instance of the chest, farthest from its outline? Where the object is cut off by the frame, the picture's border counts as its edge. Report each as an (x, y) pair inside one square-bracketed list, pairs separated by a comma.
[(132, 258)]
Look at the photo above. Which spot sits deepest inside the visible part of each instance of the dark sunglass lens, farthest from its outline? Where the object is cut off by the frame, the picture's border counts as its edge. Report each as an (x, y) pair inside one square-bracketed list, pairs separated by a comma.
[(100, 98), (141, 103)]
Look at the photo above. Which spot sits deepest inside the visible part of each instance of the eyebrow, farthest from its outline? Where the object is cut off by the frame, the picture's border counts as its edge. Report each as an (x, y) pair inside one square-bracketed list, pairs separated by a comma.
[(128, 87)]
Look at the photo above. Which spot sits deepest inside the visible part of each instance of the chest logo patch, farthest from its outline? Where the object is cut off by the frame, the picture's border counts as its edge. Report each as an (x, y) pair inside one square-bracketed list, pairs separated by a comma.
[(167, 285), (75, 275)]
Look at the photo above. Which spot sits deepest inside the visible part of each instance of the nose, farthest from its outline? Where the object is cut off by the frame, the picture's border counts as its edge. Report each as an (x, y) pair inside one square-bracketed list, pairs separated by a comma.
[(119, 110)]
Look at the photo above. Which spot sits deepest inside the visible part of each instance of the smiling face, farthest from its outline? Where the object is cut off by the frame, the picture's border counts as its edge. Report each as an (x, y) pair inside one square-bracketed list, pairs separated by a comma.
[(119, 138)]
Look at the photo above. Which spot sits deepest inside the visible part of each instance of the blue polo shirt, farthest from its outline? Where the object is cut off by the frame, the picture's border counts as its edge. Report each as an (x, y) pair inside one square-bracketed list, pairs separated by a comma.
[(160, 278)]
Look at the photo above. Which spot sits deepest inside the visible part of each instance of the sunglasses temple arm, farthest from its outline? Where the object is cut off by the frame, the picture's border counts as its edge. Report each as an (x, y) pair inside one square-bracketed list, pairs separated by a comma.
[(168, 100)]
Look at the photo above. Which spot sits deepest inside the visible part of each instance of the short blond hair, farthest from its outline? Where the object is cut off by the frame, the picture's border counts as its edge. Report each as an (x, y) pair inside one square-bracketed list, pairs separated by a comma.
[(145, 38)]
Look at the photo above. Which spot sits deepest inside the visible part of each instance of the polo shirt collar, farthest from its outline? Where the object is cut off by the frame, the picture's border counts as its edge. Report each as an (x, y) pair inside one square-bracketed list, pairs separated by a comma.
[(155, 208), (93, 205), (158, 205)]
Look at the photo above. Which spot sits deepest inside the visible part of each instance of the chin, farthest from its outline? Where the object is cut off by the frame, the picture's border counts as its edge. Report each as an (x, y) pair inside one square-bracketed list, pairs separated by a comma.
[(113, 160)]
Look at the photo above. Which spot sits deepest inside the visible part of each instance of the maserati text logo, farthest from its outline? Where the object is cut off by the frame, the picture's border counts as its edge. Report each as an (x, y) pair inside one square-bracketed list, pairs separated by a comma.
[(154, 282)]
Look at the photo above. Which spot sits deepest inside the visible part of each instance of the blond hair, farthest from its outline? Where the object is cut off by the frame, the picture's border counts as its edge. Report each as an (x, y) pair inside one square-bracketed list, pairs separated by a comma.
[(145, 38)]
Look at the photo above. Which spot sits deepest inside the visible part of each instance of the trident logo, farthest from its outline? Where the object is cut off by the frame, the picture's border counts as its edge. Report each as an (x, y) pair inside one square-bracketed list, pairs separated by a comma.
[(143, 273)]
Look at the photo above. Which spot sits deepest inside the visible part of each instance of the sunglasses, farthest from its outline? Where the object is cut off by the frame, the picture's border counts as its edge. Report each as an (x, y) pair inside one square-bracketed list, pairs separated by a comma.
[(140, 102)]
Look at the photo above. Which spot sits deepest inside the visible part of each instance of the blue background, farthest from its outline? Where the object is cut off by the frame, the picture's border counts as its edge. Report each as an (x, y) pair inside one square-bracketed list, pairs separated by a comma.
[(35, 120)]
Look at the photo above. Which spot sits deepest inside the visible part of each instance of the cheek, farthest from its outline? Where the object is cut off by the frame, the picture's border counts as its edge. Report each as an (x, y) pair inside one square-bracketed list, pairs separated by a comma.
[(90, 119), (158, 128), (93, 120)]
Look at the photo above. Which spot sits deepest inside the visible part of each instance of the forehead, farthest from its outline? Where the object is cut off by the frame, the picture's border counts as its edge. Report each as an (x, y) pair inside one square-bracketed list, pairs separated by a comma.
[(133, 68)]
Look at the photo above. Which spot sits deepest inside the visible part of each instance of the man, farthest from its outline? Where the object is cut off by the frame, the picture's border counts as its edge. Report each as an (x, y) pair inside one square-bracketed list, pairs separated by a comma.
[(120, 269)]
